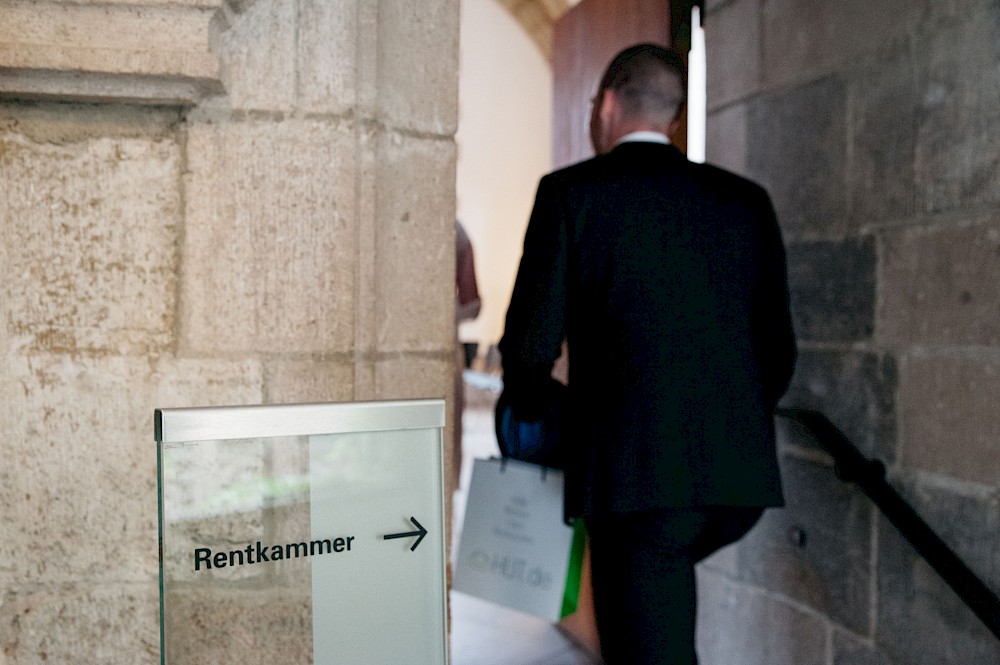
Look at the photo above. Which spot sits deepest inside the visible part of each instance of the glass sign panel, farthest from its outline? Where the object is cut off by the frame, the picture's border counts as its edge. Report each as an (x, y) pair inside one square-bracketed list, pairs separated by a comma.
[(319, 539)]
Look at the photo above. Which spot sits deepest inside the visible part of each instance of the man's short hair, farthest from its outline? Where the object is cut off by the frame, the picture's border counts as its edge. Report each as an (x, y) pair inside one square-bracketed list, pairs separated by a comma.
[(650, 80)]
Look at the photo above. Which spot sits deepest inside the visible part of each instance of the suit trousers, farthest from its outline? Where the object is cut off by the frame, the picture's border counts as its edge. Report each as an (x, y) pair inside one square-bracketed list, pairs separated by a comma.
[(643, 563)]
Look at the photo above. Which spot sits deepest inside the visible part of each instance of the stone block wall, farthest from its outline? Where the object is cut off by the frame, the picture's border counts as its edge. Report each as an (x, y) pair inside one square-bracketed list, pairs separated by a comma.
[(874, 127), (274, 228)]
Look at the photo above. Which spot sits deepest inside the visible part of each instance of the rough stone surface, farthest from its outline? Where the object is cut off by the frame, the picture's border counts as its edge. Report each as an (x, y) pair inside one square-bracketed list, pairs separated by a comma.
[(417, 52), (184, 382), (117, 625), (258, 57), (309, 380), (327, 56), (739, 624), (801, 39), (856, 391), (941, 285), (372, 191), (726, 138), (414, 377), (796, 149), (941, 502), (733, 71), (921, 620), (949, 418), (833, 289), (816, 550), (270, 248), (883, 135), (74, 435), (958, 149), (120, 26), (90, 217), (415, 246)]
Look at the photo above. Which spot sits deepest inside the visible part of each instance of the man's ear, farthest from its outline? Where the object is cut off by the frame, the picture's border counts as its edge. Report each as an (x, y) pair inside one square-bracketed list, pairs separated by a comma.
[(609, 107)]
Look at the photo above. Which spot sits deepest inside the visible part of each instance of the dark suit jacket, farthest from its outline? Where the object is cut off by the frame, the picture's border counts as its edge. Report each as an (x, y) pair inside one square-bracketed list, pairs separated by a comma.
[(667, 279)]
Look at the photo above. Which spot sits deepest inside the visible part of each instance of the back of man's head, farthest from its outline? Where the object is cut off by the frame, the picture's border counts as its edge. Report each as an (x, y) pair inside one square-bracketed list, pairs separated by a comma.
[(650, 81)]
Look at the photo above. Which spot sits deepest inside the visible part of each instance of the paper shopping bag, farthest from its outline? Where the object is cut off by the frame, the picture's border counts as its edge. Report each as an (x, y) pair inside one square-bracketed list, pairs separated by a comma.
[(515, 549)]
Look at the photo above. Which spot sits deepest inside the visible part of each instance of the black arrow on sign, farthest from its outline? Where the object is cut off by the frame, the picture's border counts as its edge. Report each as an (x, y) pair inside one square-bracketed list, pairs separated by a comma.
[(420, 533)]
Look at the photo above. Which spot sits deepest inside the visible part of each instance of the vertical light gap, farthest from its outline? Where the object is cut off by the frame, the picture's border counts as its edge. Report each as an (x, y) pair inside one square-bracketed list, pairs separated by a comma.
[(697, 90)]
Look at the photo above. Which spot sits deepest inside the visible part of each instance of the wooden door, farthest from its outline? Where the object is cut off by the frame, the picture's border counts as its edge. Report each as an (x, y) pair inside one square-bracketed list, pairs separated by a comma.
[(584, 41)]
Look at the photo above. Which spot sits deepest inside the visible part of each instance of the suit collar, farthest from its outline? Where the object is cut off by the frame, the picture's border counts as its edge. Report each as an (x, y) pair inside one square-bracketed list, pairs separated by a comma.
[(659, 150), (644, 137)]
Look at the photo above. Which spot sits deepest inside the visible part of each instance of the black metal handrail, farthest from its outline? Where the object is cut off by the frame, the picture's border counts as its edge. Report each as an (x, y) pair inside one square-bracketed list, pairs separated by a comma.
[(869, 475)]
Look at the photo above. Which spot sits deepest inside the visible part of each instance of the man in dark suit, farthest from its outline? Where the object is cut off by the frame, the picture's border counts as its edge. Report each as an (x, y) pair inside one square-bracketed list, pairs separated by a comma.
[(667, 279)]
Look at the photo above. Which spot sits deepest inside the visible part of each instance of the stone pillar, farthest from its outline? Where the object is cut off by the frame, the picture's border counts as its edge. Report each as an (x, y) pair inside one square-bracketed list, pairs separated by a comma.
[(278, 229)]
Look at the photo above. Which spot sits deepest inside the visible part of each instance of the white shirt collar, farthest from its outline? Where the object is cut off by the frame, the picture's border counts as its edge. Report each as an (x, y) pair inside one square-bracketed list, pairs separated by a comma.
[(646, 137)]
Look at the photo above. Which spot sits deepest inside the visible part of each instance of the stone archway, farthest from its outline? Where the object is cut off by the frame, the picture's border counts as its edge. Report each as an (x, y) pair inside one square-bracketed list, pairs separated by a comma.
[(537, 18), (133, 68)]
